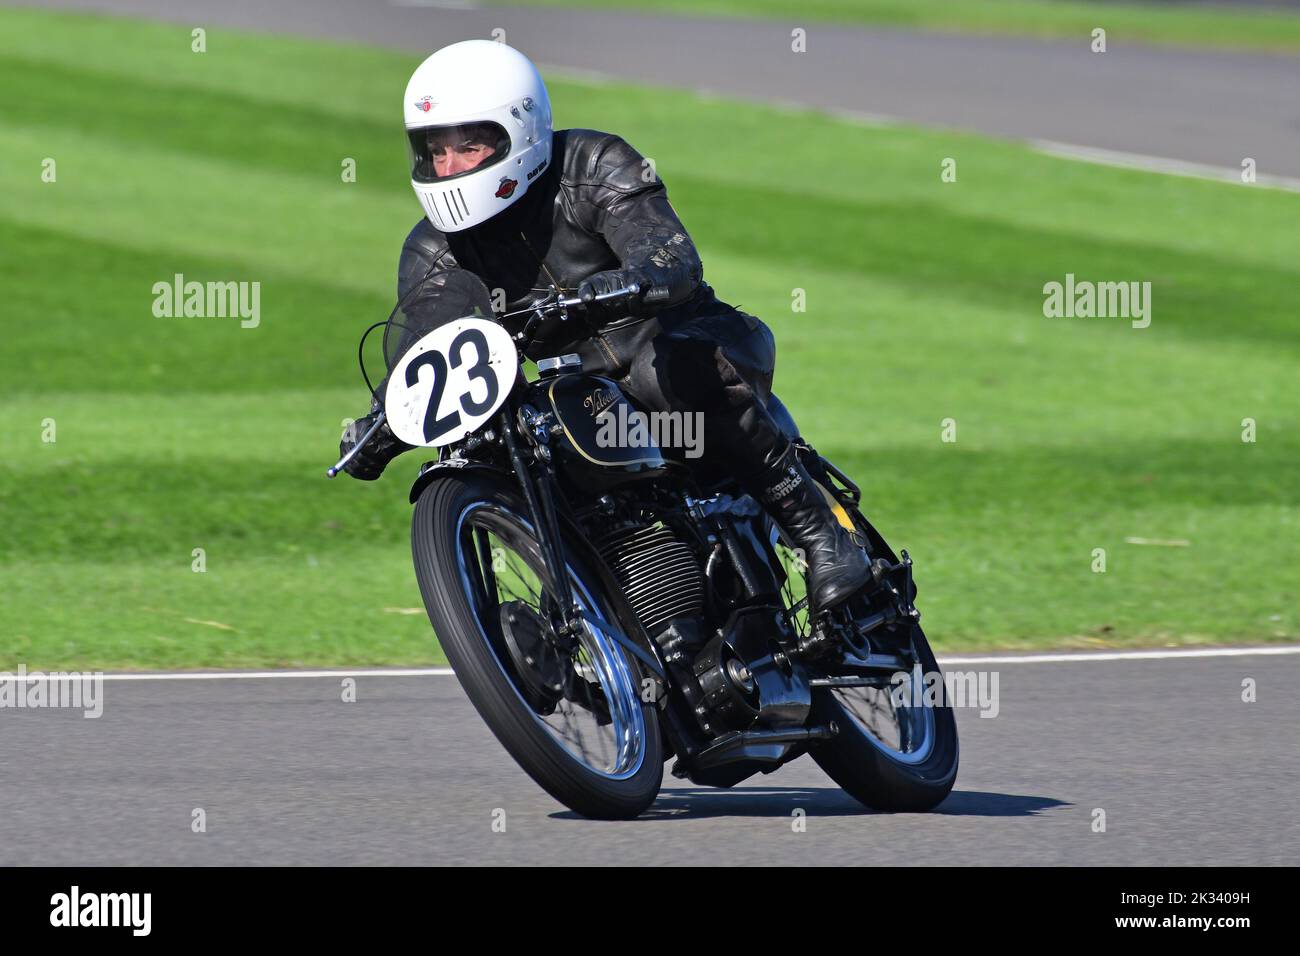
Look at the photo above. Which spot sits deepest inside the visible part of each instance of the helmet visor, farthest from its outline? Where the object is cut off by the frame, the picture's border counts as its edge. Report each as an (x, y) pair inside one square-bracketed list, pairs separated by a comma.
[(440, 153)]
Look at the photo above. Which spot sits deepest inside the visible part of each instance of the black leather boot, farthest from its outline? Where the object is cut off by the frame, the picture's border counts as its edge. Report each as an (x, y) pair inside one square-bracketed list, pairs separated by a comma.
[(837, 568)]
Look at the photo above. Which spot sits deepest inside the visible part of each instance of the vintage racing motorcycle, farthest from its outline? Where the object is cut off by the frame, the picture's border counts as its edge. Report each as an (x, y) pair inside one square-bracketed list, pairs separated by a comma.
[(607, 609)]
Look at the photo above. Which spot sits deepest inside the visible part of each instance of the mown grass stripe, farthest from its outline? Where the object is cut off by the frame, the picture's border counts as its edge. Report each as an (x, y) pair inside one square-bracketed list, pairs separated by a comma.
[(923, 304)]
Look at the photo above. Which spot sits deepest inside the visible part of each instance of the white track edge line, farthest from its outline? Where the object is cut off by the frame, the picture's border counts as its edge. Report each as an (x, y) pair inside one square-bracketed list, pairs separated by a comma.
[(1151, 655), (1160, 164), (1065, 658), (1087, 154)]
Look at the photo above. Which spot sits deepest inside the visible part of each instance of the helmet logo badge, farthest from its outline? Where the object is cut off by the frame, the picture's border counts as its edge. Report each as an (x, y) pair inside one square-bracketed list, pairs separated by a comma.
[(507, 187), (425, 103)]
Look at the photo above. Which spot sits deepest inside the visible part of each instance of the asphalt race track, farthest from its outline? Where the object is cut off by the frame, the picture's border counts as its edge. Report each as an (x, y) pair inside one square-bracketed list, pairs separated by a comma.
[(1211, 108), (287, 773)]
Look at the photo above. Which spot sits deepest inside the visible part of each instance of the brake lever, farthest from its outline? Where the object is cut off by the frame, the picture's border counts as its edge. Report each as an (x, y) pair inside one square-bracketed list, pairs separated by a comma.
[(352, 452), (626, 292), (539, 312)]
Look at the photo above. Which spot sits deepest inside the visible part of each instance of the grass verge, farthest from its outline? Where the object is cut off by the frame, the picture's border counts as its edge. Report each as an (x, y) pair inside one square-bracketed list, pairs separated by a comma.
[(923, 304)]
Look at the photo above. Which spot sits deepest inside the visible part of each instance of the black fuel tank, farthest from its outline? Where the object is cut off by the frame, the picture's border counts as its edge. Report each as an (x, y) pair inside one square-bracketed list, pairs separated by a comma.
[(578, 401)]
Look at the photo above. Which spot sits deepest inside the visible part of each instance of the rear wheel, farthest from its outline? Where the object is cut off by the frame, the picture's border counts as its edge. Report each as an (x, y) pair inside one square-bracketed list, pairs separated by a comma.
[(896, 749), (573, 718)]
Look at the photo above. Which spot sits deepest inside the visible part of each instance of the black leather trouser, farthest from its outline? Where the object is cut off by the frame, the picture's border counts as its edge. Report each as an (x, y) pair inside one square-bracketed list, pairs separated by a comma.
[(719, 364)]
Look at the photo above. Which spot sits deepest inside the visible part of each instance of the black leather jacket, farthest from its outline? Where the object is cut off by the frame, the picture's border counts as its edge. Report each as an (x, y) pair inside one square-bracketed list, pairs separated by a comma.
[(598, 206)]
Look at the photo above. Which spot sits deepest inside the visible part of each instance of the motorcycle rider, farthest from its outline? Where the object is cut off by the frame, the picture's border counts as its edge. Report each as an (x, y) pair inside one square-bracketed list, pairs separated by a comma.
[(531, 210)]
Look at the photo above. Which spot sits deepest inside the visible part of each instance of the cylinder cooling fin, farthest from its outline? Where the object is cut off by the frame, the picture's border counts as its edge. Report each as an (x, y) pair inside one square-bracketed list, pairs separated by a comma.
[(658, 573)]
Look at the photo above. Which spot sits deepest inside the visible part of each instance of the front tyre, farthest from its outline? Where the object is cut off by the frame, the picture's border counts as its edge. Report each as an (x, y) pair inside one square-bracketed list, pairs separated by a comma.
[(575, 721)]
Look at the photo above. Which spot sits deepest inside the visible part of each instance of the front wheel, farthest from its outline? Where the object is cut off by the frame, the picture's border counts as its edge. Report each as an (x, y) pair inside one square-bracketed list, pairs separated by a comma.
[(574, 719)]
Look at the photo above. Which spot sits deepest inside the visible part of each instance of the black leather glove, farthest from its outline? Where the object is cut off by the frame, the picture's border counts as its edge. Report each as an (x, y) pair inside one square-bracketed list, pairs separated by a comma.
[(603, 283), (369, 463)]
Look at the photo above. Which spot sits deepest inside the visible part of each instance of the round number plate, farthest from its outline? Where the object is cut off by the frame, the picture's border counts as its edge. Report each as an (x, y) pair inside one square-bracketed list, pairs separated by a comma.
[(450, 382)]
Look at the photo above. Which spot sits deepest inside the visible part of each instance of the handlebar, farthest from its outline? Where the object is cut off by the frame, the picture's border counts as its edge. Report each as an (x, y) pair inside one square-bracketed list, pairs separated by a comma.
[(626, 292), (543, 310), (352, 452)]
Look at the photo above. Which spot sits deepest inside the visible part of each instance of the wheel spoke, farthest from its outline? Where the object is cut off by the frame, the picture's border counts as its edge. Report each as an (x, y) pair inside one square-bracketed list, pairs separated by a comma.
[(598, 719)]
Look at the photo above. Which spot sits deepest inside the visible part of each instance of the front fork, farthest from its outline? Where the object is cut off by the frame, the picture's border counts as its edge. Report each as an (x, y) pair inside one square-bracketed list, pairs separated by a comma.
[(539, 495), (567, 620)]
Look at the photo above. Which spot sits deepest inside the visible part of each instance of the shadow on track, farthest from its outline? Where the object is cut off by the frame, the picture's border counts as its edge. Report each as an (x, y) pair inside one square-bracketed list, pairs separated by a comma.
[(694, 803)]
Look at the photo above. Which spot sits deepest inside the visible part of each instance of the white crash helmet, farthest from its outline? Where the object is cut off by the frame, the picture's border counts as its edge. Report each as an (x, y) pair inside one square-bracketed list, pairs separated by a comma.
[(488, 92)]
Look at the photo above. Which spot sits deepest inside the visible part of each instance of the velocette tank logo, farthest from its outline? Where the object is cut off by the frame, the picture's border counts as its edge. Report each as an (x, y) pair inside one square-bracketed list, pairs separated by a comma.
[(507, 187), (598, 401), (425, 103)]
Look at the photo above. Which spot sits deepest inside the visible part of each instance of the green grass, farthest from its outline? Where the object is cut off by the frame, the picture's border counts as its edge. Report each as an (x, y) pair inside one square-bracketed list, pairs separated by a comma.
[(924, 303), (1167, 23)]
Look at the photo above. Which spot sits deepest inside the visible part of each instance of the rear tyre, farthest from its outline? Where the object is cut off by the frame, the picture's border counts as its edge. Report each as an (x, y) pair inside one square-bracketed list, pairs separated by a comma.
[(895, 759), (896, 750)]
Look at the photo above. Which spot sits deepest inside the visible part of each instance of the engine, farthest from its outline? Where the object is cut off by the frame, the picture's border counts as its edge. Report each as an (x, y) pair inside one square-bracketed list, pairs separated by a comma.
[(657, 571), (732, 677)]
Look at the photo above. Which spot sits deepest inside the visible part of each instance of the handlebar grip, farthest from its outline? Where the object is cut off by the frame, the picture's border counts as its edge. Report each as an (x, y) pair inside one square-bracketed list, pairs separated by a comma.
[(627, 290)]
